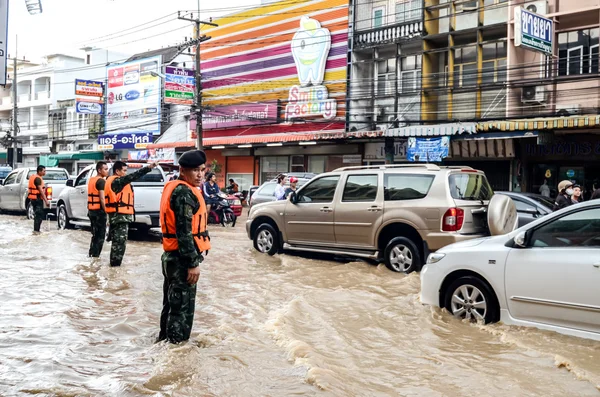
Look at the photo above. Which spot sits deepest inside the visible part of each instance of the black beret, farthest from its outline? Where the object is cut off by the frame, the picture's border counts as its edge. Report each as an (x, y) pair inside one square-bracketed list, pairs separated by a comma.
[(192, 159)]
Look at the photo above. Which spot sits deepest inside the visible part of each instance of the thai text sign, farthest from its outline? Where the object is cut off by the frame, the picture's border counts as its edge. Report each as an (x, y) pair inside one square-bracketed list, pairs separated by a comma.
[(180, 86), (240, 115), (89, 88), (533, 31)]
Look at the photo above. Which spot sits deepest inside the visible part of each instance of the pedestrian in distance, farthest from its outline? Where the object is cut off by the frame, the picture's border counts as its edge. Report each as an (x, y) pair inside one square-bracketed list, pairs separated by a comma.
[(37, 196), (280, 188), (120, 207), (292, 188), (596, 192), (97, 209), (545, 189), (183, 216), (576, 198), (563, 199)]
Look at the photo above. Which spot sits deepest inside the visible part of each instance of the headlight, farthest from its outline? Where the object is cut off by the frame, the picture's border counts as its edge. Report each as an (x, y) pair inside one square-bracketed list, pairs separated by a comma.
[(237, 202), (435, 258)]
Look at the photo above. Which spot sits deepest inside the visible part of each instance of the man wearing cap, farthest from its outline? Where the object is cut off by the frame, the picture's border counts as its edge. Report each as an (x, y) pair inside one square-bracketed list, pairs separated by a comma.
[(293, 186), (185, 239), (563, 199)]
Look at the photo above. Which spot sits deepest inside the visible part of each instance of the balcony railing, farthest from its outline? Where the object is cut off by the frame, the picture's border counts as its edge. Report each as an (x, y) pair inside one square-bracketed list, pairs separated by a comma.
[(24, 98), (388, 34), (42, 95)]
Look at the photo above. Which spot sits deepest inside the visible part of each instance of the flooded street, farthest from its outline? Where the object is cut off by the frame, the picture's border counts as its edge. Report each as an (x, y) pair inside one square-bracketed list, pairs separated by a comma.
[(265, 326)]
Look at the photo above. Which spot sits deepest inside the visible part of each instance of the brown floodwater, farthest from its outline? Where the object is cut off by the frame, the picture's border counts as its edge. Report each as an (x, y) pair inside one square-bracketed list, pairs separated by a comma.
[(265, 326)]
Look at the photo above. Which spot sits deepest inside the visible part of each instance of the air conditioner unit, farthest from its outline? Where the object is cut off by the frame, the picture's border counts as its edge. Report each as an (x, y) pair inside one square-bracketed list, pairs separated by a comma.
[(70, 147), (467, 6), (569, 110), (533, 94), (539, 7)]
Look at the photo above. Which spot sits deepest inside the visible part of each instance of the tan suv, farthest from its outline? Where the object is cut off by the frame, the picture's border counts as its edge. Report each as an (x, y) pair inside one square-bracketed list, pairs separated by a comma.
[(396, 213)]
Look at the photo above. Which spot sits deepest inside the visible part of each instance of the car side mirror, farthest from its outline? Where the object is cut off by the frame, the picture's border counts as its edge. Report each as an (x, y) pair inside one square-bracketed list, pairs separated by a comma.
[(521, 240), (1, 181), (70, 183), (294, 198)]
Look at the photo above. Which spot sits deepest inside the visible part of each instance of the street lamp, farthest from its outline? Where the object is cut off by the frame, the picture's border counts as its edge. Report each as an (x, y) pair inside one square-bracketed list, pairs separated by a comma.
[(34, 6), (158, 74)]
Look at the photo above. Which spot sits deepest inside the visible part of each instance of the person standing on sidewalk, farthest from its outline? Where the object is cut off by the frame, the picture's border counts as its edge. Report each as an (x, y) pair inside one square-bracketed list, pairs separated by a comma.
[(97, 209), (184, 218), (37, 196), (120, 207)]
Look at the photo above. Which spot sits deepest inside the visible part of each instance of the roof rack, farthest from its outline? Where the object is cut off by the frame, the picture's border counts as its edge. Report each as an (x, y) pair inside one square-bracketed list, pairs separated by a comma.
[(430, 167)]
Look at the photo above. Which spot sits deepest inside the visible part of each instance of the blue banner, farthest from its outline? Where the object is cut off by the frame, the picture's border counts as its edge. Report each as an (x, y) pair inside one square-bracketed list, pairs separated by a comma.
[(427, 149), (131, 140)]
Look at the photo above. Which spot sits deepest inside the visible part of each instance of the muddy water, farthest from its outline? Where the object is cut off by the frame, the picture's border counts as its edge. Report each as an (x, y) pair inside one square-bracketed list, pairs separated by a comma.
[(280, 326)]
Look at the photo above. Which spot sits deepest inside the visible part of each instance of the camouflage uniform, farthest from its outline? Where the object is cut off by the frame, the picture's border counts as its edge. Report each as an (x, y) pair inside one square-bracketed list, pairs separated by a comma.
[(98, 222), (179, 298), (119, 223), (38, 208)]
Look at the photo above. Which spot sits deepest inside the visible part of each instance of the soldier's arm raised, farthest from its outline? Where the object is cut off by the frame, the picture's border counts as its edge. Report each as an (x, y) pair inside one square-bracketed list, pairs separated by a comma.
[(119, 183)]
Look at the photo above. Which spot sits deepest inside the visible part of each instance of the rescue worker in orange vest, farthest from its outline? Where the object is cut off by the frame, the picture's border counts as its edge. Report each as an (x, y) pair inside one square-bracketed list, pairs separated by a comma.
[(37, 196), (185, 239), (97, 209), (120, 207)]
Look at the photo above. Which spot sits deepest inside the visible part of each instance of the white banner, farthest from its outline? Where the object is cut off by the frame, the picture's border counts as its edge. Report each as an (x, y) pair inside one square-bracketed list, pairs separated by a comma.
[(3, 39), (133, 96), (376, 150)]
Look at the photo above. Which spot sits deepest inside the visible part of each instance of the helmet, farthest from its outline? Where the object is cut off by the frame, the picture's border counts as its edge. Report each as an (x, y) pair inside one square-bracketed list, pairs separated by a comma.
[(293, 179), (563, 185)]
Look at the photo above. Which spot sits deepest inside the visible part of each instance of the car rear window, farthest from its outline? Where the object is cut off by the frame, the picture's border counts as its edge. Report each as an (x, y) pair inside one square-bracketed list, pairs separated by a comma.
[(52, 175), (470, 186), (153, 176), (406, 186)]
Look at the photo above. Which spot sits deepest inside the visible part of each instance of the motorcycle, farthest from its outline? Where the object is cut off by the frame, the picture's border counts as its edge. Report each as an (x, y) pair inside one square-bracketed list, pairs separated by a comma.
[(221, 212)]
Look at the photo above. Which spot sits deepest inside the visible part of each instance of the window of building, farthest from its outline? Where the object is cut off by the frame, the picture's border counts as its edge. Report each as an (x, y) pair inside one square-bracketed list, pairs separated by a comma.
[(408, 10), (386, 76), (410, 74), (316, 164), (488, 3), (378, 16), (244, 181), (494, 63), (469, 5), (578, 52), (85, 146), (465, 66), (80, 121), (297, 164), (88, 59), (272, 166)]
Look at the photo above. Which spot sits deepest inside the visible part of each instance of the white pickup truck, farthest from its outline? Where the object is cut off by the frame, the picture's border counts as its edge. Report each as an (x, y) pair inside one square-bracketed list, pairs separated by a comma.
[(72, 202), (14, 189)]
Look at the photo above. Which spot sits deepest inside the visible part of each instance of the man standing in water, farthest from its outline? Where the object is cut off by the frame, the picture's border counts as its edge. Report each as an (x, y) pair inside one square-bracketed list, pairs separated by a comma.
[(120, 207), (183, 218), (37, 196), (97, 209)]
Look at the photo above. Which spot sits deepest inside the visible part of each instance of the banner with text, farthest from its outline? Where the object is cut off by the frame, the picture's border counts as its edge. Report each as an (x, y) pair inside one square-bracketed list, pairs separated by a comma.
[(239, 115), (428, 149), (133, 140), (180, 86)]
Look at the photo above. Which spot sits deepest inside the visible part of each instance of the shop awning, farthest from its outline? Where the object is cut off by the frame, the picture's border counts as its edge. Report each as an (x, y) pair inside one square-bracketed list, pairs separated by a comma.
[(542, 123), (432, 130), (77, 156), (270, 138), (497, 135)]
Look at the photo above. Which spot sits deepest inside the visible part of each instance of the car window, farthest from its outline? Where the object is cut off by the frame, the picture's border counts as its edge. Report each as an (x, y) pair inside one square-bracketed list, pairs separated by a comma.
[(406, 186), (470, 186), (52, 175), (544, 201), (522, 206), (81, 180), (321, 190), (360, 188), (153, 176), (268, 189), (10, 179), (579, 229)]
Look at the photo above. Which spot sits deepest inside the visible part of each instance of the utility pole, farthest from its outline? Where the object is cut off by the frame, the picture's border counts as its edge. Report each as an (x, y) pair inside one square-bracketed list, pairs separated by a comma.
[(198, 101), (15, 112)]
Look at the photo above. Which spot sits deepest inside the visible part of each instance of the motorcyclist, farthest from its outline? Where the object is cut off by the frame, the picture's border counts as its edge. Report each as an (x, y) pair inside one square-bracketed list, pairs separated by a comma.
[(565, 192), (211, 191), (233, 187)]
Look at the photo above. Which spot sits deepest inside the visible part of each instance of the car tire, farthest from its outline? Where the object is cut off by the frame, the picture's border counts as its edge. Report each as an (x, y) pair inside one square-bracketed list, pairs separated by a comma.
[(266, 239), (472, 299), (62, 218), (402, 256), (29, 210)]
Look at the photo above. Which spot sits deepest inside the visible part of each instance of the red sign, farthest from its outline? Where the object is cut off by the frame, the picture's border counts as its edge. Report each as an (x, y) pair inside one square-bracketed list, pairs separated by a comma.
[(115, 77)]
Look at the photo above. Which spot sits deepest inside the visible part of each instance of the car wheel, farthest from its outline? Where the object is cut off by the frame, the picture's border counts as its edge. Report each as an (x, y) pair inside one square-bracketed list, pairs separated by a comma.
[(62, 218), (470, 298), (402, 256), (266, 239), (30, 211)]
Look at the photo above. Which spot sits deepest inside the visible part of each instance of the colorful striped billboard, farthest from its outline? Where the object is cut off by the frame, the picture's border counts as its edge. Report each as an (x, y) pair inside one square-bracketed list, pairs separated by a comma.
[(292, 51)]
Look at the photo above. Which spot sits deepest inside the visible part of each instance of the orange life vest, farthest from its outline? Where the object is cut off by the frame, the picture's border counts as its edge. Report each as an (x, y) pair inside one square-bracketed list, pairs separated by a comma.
[(33, 192), (167, 217), (93, 194), (119, 203)]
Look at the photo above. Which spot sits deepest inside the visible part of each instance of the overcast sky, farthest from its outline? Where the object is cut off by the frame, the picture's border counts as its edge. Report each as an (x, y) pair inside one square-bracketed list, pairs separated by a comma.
[(67, 25)]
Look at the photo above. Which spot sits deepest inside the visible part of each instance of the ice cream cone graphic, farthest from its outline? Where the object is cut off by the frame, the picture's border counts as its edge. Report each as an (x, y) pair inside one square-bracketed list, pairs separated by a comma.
[(310, 48)]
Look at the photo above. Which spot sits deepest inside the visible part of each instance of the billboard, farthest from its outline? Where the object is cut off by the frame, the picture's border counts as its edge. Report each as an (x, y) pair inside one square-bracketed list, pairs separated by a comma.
[(302, 64), (533, 31), (428, 149), (3, 39), (89, 88), (133, 97), (240, 115), (180, 86), (132, 140), (89, 107)]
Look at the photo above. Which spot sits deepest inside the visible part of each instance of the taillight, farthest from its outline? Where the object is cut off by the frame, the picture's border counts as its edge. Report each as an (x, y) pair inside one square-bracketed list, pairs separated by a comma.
[(49, 193), (453, 220)]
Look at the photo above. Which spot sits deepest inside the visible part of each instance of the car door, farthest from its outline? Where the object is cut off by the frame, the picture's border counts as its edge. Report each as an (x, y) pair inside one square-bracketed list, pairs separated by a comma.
[(78, 196), (10, 191), (555, 279), (359, 213), (310, 219)]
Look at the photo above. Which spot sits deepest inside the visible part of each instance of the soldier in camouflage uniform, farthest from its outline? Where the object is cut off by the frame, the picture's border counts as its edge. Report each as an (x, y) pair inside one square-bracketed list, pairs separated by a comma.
[(120, 213), (185, 240), (97, 209)]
